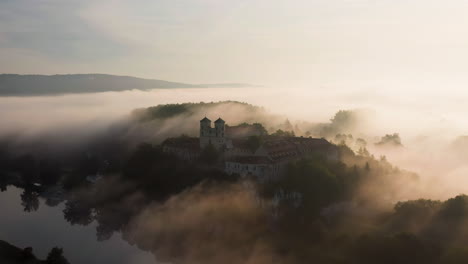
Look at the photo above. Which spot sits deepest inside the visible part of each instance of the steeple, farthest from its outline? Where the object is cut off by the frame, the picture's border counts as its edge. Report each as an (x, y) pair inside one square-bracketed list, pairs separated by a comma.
[(219, 127), (212, 135), (219, 120), (205, 120), (205, 127)]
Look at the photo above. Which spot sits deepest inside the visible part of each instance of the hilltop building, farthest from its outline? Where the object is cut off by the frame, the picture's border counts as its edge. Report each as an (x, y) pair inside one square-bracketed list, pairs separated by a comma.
[(268, 161), (212, 135)]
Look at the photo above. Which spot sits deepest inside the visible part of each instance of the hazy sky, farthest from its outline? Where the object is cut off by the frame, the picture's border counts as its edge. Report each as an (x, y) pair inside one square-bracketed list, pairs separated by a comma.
[(320, 43)]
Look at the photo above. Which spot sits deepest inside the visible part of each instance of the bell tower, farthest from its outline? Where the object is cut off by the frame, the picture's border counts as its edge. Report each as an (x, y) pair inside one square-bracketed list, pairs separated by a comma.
[(212, 135), (205, 127), (205, 132), (219, 128)]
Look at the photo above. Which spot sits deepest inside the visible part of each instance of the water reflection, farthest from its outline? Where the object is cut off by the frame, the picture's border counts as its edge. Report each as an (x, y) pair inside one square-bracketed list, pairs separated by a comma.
[(77, 213), (30, 200), (44, 227)]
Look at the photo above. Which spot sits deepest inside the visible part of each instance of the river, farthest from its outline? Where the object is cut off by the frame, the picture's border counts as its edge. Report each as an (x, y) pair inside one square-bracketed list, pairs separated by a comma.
[(46, 228)]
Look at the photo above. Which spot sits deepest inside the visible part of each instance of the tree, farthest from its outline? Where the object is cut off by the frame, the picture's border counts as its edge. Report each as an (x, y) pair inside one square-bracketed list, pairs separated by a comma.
[(55, 256), (49, 172), (77, 212), (363, 152), (344, 120), (390, 140), (27, 253), (315, 180), (254, 142), (160, 174), (26, 165), (361, 143), (209, 154), (281, 133), (3, 182), (29, 200), (342, 138)]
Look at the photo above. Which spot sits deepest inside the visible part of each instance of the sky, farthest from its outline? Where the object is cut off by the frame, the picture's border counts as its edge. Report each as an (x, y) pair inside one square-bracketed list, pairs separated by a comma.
[(415, 45)]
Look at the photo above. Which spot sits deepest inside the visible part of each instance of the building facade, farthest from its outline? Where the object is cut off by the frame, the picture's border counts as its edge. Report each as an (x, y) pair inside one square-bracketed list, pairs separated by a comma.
[(212, 135), (268, 161)]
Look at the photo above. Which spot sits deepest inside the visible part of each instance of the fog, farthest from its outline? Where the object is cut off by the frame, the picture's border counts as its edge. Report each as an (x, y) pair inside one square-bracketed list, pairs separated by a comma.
[(428, 122), (430, 126), (434, 112)]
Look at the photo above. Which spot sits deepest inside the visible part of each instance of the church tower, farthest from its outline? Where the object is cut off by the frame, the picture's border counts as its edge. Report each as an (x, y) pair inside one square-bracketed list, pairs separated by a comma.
[(212, 135), (205, 127), (219, 127), (205, 132)]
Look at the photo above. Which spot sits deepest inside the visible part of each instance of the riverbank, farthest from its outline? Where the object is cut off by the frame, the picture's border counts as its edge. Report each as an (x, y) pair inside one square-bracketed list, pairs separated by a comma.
[(10, 254)]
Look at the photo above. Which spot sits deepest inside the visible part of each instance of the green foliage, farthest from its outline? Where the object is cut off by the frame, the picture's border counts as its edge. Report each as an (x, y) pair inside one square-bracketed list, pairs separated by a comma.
[(169, 110), (49, 172), (254, 142), (411, 216), (339, 138), (26, 165), (342, 122), (363, 152), (345, 151), (315, 181), (29, 200), (401, 248), (281, 133), (367, 167), (256, 126), (434, 220), (77, 212), (173, 110), (343, 118), (320, 182), (160, 174), (390, 140), (361, 143), (55, 256), (456, 207), (209, 155), (455, 255)]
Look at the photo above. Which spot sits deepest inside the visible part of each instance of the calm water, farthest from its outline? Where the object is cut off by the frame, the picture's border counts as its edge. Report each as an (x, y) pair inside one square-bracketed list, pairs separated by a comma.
[(47, 228)]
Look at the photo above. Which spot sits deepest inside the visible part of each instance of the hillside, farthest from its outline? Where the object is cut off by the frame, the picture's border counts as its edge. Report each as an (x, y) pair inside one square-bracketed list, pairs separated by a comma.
[(23, 85), (14, 255), (26, 85)]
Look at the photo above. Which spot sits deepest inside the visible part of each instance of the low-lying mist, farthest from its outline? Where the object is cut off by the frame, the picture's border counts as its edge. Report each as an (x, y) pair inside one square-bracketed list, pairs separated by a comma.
[(431, 134), (187, 213)]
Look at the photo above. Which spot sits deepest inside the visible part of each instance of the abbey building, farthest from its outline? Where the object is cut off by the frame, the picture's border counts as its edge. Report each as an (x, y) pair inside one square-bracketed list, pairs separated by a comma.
[(212, 135), (237, 155)]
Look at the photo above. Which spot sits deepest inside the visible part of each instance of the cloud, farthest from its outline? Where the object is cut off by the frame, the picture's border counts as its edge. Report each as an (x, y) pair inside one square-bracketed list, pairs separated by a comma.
[(53, 29)]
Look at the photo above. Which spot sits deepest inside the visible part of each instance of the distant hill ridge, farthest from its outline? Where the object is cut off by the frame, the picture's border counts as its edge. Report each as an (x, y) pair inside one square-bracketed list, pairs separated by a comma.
[(25, 85)]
